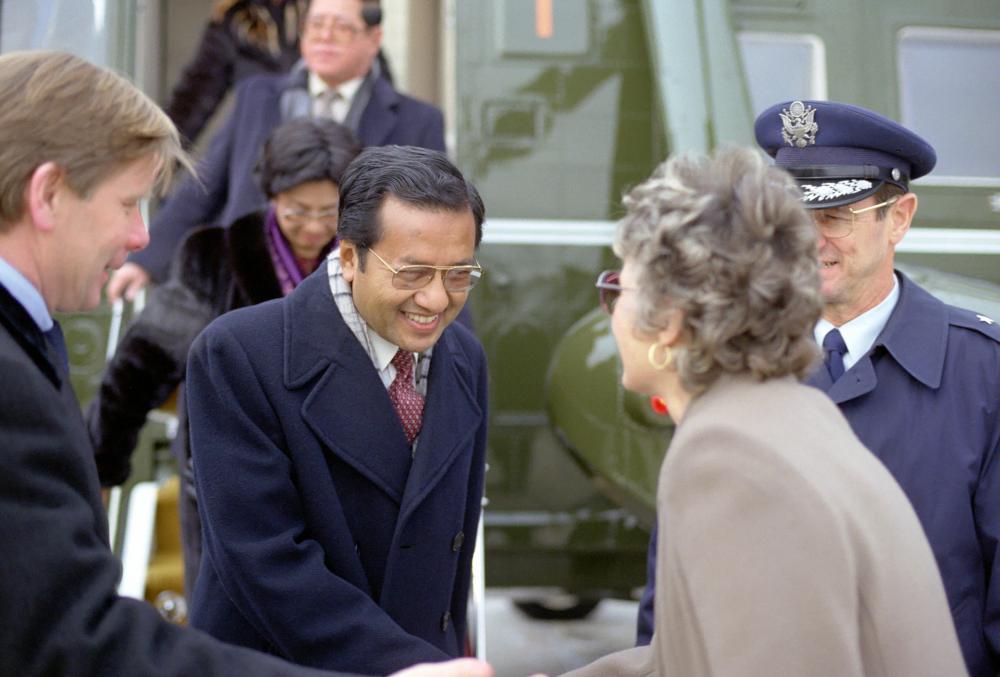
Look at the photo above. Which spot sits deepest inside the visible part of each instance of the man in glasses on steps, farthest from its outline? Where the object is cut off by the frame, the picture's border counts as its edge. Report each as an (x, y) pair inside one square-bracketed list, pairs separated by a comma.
[(338, 435), (339, 77)]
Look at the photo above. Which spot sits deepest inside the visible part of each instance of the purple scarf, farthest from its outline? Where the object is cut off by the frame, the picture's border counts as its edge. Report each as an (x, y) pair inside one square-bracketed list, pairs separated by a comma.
[(286, 266)]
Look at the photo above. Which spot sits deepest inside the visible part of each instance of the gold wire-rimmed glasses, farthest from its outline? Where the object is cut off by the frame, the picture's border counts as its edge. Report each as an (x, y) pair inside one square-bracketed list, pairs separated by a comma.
[(455, 278), (340, 32), (299, 217), (837, 222)]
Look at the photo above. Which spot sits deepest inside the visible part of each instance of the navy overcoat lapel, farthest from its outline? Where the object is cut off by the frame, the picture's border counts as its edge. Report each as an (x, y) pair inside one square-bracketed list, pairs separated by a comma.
[(380, 116), (344, 402), (451, 418), (347, 406)]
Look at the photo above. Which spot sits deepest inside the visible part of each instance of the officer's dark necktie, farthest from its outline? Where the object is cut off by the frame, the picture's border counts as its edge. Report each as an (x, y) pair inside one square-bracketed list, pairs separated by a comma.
[(57, 348), (833, 344), (408, 402)]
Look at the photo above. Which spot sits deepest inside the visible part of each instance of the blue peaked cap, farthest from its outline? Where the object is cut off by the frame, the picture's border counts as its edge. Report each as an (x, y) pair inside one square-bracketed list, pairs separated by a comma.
[(839, 153)]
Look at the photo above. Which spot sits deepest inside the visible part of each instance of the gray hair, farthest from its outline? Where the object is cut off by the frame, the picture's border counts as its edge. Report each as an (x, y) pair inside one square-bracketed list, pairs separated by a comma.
[(725, 239)]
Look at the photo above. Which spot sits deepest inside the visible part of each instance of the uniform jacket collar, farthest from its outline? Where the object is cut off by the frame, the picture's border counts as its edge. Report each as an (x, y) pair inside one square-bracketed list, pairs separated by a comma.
[(916, 337), (917, 333), (348, 408)]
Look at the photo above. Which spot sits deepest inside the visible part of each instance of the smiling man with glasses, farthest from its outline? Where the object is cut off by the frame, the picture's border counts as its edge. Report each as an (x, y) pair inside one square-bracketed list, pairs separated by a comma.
[(339, 435)]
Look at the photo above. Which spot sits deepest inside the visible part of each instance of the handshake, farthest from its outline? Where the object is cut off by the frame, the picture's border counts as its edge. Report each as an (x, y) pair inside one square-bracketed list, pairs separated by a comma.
[(460, 667)]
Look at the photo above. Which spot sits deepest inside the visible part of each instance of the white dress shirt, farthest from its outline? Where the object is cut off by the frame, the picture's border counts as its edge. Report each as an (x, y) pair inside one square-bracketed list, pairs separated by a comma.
[(860, 333), (345, 93)]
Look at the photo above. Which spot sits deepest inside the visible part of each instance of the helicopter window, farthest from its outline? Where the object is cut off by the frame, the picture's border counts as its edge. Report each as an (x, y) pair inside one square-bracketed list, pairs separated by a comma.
[(85, 29), (800, 58), (949, 94)]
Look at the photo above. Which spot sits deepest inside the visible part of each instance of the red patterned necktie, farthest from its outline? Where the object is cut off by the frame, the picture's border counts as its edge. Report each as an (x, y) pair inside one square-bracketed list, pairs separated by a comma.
[(408, 402)]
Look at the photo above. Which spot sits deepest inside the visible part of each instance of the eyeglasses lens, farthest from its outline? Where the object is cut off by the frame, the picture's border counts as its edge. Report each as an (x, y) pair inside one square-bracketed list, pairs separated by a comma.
[(340, 32), (833, 223), (455, 279), (608, 290), (297, 217)]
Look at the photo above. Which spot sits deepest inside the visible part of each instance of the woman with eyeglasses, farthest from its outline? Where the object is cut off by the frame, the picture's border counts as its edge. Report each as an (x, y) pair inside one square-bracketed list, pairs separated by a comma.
[(262, 255), (785, 547)]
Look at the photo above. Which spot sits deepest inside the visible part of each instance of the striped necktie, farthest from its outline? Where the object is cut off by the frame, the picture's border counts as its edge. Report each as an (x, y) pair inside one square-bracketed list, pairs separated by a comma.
[(329, 105)]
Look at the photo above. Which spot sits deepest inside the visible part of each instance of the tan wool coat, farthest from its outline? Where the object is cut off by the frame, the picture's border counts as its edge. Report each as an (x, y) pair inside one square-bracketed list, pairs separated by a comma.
[(786, 548)]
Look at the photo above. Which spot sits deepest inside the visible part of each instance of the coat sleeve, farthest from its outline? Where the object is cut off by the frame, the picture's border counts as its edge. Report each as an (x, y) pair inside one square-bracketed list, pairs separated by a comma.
[(60, 612), (747, 558), (432, 134), (198, 201), (644, 622), (274, 573), (204, 82), (149, 362), (987, 511)]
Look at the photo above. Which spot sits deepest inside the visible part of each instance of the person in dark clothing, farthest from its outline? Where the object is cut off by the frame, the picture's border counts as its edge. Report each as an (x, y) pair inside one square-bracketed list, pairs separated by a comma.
[(338, 435), (242, 38), (261, 256), (339, 77)]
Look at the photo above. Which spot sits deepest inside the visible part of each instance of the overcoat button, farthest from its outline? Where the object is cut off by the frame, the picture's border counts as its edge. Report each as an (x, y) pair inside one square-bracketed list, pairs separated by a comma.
[(445, 620), (456, 543)]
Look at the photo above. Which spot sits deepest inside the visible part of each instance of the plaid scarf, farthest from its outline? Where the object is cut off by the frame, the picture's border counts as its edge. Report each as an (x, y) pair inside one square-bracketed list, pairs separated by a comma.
[(342, 296)]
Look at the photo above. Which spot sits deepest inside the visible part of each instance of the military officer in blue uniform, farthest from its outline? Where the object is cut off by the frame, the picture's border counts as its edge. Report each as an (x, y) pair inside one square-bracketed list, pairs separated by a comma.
[(918, 380)]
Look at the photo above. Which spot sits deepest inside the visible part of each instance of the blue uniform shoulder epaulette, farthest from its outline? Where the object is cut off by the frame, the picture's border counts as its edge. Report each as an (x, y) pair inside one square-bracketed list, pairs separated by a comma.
[(979, 322)]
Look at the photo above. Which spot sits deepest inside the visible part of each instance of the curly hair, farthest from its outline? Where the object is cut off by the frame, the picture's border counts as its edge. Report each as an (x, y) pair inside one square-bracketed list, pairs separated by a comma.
[(725, 239)]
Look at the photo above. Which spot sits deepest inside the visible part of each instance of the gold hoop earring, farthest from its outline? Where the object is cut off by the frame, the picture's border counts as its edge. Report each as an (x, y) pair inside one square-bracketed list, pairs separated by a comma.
[(668, 356)]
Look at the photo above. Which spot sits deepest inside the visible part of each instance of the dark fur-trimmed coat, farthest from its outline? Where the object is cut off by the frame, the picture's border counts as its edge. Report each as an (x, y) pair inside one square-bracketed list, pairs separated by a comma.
[(243, 38), (216, 270)]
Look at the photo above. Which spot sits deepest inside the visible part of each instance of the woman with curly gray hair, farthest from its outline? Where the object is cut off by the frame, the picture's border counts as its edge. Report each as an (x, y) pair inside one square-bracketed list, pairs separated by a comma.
[(785, 547)]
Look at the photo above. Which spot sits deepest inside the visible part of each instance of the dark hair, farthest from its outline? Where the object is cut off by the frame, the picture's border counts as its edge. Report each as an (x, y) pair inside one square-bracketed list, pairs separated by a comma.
[(303, 150), (423, 178), (371, 12)]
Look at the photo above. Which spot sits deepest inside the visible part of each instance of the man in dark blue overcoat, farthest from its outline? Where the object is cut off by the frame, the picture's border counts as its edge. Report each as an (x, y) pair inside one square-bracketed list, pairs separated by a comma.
[(339, 434), (339, 76), (918, 380)]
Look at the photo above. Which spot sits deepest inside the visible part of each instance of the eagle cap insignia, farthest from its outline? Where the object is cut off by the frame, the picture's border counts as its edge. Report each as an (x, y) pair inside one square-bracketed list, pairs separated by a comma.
[(798, 124)]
